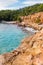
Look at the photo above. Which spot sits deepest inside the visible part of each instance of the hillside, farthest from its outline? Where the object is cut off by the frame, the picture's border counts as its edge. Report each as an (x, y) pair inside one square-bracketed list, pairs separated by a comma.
[(31, 9), (12, 15), (33, 20)]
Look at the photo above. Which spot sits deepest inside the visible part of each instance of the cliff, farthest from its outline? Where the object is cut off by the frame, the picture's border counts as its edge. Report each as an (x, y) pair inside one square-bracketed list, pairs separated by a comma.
[(30, 52), (33, 20)]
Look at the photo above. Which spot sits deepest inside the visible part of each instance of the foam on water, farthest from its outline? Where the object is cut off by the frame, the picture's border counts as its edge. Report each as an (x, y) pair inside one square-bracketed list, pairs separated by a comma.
[(31, 29)]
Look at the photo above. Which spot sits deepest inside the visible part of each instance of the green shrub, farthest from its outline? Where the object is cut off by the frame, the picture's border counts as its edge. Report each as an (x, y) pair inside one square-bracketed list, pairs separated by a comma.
[(19, 19), (38, 20)]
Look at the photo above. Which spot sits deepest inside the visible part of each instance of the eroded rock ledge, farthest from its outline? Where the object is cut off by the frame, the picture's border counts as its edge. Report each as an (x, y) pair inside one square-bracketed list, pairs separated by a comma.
[(30, 52), (33, 21)]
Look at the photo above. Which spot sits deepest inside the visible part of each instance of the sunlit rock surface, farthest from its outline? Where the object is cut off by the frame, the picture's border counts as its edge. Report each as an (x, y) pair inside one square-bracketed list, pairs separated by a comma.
[(30, 52), (33, 20)]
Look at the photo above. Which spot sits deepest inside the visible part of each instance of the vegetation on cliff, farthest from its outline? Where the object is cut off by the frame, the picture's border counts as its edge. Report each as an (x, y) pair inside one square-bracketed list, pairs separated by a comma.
[(13, 15)]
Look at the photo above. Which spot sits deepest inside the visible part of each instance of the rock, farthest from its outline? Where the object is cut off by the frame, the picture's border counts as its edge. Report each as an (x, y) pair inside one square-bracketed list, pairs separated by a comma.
[(33, 20), (33, 17), (2, 60), (22, 24)]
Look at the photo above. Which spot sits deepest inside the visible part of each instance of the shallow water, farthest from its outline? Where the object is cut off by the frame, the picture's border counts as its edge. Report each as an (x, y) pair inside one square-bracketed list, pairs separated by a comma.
[(10, 37)]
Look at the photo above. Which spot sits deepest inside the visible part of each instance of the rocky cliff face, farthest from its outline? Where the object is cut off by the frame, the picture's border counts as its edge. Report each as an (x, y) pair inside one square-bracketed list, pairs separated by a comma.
[(30, 52), (35, 18)]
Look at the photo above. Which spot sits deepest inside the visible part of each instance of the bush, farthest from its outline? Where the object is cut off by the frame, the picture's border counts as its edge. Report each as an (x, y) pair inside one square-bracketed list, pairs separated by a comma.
[(38, 20), (19, 19)]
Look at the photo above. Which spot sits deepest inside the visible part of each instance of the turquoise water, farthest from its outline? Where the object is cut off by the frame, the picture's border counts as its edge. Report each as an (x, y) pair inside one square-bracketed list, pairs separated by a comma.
[(10, 37)]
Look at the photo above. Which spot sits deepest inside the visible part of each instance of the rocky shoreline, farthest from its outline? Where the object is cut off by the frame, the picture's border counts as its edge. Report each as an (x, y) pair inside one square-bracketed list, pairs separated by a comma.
[(31, 25), (30, 52)]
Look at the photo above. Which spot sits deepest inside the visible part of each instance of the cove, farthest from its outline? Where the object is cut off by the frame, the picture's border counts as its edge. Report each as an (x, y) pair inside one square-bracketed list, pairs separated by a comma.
[(11, 37)]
